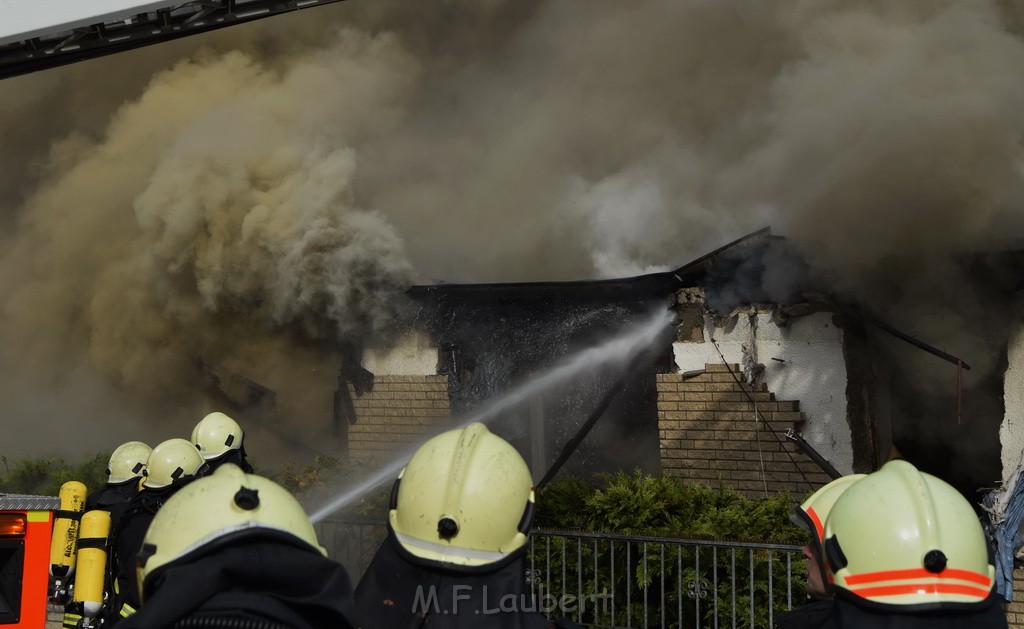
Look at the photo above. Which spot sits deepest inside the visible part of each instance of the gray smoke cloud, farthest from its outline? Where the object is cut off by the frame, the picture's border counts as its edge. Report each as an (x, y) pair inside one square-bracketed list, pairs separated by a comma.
[(213, 216), (247, 198)]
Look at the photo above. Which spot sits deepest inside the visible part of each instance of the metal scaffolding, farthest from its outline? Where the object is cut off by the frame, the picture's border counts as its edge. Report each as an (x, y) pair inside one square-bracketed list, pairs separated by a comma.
[(61, 47)]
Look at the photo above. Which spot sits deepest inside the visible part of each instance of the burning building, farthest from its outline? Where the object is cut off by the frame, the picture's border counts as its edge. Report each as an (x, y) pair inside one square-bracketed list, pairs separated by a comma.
[(758, 394), (698, 404)]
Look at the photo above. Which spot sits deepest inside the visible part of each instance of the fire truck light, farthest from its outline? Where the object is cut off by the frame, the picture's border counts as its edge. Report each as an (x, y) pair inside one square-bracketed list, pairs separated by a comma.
[(12, 524)]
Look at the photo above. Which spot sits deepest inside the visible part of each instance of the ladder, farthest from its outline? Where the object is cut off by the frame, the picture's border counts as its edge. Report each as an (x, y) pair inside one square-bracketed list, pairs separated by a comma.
[(43, 34)]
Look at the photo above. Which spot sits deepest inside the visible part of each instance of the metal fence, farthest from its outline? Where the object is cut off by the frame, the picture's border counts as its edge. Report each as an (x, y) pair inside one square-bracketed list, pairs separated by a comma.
[(619, 581), (604, 580)]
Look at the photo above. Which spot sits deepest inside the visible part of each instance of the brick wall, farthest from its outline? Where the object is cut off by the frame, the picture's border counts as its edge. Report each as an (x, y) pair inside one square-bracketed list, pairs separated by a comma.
[(707, 430), (400, 412), (1015, 609)]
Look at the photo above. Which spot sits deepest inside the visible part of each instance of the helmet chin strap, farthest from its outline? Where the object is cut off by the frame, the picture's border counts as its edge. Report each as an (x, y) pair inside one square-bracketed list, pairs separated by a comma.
[(835, 555)]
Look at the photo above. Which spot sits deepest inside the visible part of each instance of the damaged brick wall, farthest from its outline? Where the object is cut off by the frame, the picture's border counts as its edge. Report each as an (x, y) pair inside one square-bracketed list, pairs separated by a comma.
[(1015, 609), (707, 430), (399, 413)]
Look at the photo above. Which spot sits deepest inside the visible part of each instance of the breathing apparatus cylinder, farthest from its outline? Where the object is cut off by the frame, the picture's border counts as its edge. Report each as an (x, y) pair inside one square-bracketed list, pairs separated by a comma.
[(63, 544), (92, 561)]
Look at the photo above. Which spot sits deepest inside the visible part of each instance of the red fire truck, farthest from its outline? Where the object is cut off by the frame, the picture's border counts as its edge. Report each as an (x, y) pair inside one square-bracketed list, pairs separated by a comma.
[(26, 525)]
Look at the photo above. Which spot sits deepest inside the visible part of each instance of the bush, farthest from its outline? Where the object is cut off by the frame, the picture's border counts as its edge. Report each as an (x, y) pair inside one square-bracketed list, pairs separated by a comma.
[(314, 482), (668, 582), (661, 505), (300, 477), (43, 476)]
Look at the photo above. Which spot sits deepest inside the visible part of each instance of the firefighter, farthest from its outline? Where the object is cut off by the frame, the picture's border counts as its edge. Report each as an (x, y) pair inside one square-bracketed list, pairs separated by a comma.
[(455, 551), (905, 550), (125, 470), (220, 440), (237, 550), (172, 465), (811, 516)]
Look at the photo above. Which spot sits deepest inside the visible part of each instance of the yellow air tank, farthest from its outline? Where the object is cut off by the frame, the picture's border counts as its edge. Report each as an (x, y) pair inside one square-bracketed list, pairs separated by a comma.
[(92, 561), (65, 529)]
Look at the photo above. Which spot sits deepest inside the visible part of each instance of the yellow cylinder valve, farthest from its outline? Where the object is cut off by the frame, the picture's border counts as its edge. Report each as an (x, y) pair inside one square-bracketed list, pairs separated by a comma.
[(92, 562), (65, 529)]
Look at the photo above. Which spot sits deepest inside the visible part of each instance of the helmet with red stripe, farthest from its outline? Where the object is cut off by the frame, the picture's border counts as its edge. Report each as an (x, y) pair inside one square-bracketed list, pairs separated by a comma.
[(904, 540), (811, 515)]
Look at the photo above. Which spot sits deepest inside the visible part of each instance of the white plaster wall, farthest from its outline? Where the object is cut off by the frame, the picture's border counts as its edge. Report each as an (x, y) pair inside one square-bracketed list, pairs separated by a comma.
[(1011, 432), (413, 355), (814, 372)]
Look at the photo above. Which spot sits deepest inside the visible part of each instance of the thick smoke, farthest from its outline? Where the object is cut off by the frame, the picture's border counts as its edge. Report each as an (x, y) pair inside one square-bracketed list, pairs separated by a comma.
[(213, 214), (242, 197)]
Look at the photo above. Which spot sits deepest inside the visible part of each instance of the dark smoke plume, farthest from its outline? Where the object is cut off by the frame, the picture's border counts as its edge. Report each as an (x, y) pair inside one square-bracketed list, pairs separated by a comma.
[(249, 198)]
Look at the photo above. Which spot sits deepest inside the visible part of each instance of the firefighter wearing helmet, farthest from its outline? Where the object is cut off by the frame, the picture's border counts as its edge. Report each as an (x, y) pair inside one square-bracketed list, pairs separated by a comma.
[(811, 516), (125, 471), (170, 467), (251, 561), (220, 440), (904, 550), (457, 530)]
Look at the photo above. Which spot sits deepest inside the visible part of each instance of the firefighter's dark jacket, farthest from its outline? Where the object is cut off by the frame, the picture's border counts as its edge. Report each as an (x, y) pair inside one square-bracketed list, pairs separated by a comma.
[(113, 498), (848, 615), (126, 540), (812, 615), (237, 457), (265, 582), (401, 591)]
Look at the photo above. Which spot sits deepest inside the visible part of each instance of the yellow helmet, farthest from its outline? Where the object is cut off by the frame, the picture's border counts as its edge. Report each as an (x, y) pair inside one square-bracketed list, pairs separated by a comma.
[(128, 461), (172, 460), (216, 434), (811, 515), (216, 510), (465, 498), (903, 539)]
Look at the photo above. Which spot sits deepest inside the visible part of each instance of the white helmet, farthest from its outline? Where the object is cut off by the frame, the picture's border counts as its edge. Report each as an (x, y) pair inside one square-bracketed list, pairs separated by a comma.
[(464, 498), (216, 510), (216, 434), (128, 461), (813, 512), (905, 540), (173, 460)]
